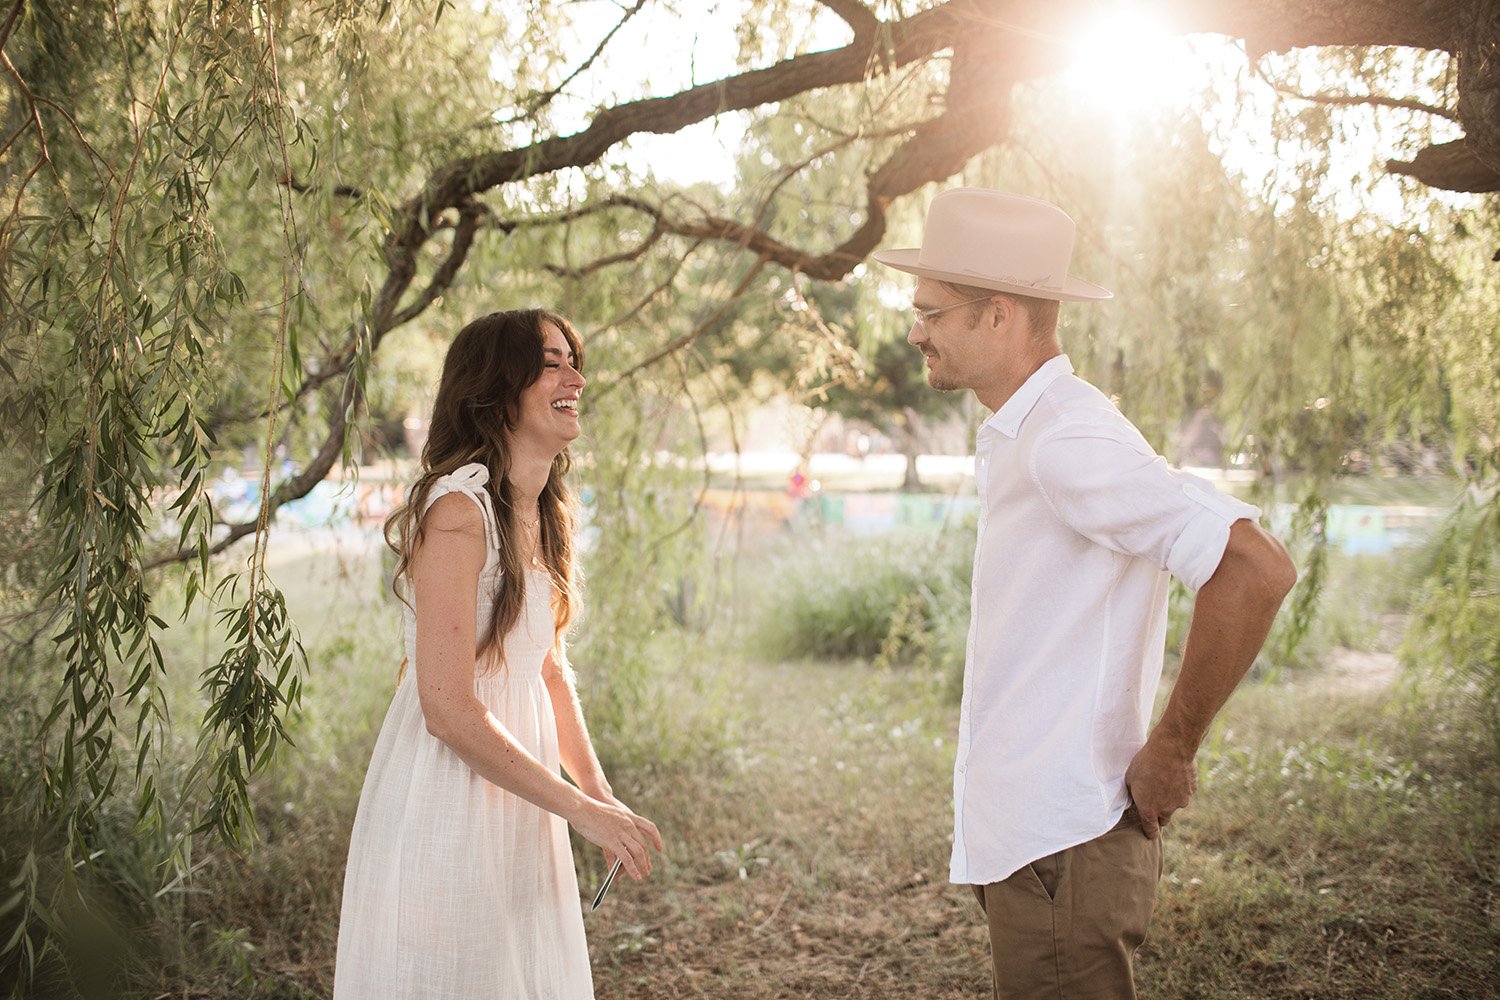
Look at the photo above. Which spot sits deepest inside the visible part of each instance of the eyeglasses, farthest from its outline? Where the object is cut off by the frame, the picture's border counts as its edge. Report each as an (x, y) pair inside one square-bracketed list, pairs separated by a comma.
[(921, 317)]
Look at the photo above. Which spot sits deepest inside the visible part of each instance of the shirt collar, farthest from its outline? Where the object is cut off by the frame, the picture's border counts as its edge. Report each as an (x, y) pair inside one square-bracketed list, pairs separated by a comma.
[(1013, 412)]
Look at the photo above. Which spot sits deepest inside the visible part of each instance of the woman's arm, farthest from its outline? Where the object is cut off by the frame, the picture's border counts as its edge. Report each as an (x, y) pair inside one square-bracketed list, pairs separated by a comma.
[(445, 577), (573, 742), (577, 750)]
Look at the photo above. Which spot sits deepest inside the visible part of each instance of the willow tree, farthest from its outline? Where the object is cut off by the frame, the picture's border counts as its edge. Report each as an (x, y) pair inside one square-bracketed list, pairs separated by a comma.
[(228, 223)]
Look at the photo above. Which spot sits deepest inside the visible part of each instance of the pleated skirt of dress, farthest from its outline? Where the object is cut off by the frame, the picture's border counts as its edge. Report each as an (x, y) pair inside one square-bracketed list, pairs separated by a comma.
[(456, 889)]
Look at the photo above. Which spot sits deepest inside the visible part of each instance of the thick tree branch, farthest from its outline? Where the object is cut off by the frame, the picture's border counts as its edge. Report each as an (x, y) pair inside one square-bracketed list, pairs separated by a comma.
[(1451, 166), (913, 39), (704, 227), (291, 489), (1283, 25), (469, 216), (1022, 28), (1468, 29), (337, 363), (920, 37), (975, 118)]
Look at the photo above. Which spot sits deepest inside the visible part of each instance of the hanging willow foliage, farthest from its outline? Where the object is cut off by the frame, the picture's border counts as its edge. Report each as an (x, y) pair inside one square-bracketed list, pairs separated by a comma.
[(116, 303)]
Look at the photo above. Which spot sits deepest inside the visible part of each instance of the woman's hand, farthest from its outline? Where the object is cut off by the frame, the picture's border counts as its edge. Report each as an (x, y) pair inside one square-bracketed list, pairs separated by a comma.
[(620, 833)]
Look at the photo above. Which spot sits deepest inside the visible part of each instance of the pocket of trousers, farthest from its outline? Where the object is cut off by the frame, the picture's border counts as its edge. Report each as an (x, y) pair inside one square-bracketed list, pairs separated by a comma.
[(1131, 817), (1048, 873)]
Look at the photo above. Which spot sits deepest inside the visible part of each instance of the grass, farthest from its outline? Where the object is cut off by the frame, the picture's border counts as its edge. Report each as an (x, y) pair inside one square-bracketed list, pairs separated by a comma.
[(1339, 847), (818, 867), (1344, 844), (902, 596)]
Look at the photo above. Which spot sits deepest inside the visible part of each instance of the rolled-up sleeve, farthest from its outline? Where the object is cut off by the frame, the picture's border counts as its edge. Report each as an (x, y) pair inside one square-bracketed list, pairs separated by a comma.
[(1105, 482)]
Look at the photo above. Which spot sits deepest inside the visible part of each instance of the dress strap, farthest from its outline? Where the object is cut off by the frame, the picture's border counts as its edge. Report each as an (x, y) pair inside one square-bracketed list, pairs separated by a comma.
[(470, 480)]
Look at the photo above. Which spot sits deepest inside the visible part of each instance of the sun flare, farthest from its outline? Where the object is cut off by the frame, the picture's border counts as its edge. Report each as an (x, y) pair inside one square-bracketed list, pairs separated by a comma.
[(1128, 59)]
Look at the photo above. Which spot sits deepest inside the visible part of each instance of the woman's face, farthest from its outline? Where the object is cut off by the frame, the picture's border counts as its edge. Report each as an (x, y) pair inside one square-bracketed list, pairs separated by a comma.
[(549, 406)]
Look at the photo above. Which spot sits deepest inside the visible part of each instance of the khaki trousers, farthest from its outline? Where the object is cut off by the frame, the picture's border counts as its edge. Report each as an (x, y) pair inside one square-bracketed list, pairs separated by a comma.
[(1066, 926)]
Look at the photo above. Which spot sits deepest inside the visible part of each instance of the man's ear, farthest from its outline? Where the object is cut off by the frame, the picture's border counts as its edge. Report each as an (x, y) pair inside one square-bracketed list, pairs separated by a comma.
[(1005, 309)]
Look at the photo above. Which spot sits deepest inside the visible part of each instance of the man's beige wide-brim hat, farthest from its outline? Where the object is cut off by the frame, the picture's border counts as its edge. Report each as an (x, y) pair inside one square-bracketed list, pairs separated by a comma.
[(999, 240)]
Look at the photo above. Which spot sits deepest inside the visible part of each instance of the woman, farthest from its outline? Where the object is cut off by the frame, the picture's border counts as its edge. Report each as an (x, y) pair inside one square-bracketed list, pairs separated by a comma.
[(460, 881)]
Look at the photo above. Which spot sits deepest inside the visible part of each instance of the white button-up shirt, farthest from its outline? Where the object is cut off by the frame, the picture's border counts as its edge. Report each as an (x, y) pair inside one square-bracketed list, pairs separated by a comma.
[(1080, 523)]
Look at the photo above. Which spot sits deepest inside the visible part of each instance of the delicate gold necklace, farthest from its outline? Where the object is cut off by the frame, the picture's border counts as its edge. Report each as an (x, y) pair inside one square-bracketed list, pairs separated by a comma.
[(531, 526)]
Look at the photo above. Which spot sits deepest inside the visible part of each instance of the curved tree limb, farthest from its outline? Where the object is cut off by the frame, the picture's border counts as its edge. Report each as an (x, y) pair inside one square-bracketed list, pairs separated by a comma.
[(918, 37), (469, 216), (635, 253), (1283, 25), (1029, 30)]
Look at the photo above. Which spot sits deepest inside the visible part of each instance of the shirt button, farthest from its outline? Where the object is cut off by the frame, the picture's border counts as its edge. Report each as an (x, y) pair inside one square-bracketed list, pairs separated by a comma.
[(963, 768)]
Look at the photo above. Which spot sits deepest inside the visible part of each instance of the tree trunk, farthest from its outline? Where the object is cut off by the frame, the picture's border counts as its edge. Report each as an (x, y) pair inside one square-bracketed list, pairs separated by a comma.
[(909, 448)]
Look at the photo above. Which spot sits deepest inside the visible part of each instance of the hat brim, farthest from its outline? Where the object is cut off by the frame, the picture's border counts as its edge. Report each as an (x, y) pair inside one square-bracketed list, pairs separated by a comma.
[(1073, 290)]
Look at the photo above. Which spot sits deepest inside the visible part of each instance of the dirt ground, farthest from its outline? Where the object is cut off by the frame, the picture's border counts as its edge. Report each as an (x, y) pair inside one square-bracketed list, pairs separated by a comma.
[(814, 863), (823, 873)]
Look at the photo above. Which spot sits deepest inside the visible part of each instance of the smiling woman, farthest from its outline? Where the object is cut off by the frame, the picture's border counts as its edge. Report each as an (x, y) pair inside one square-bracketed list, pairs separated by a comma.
[(460, 880)]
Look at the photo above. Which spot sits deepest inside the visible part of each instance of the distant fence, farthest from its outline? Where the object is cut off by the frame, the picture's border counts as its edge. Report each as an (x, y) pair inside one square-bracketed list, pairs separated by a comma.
[(1353, 528), (1358, 528)]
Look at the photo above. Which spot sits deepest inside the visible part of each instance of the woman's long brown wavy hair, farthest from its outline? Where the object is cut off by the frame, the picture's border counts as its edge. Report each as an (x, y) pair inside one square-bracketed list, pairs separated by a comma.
[(490, 363)]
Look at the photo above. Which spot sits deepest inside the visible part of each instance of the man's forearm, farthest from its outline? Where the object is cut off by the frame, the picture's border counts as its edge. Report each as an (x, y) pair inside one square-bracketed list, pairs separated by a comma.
[(1231, 619), (1222, 643)]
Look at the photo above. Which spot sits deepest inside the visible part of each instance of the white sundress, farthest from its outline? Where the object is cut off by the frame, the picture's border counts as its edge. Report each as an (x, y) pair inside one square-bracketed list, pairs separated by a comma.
[(457, 889)]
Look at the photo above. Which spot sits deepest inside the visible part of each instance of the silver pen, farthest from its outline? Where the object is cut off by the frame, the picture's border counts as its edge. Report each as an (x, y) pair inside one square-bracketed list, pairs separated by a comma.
[(608, 879)]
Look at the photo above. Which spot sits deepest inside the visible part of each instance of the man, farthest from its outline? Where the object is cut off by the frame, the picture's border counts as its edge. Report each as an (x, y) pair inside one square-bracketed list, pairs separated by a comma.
[(1059, 793)]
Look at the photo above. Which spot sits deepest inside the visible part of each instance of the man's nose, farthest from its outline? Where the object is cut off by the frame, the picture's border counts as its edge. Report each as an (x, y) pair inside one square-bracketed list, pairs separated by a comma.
[(916, 336)]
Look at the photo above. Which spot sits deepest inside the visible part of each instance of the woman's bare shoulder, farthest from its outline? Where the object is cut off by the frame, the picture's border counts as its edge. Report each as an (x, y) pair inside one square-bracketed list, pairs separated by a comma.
[(455, 512)]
